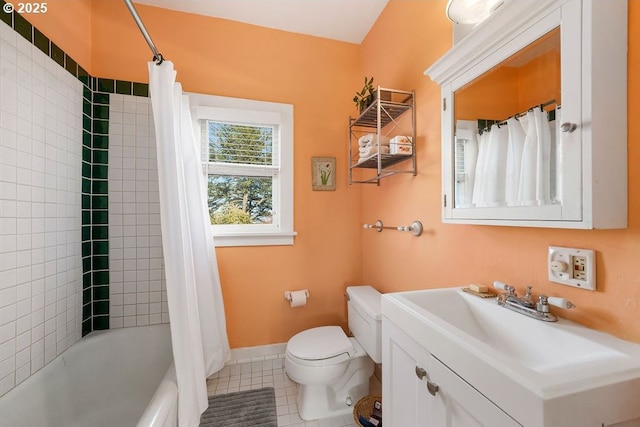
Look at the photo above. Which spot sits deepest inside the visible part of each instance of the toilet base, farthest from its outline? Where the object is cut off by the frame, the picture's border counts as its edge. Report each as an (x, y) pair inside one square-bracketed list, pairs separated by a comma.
[(315, 402)]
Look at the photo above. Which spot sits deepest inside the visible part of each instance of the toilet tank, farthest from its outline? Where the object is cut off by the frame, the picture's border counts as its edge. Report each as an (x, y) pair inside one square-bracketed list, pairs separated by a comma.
[(365, 319)]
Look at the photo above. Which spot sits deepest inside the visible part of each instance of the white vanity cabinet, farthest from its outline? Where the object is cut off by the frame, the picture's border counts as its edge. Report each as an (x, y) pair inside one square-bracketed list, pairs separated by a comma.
[(488, 366), (584, 168), (418, 390)]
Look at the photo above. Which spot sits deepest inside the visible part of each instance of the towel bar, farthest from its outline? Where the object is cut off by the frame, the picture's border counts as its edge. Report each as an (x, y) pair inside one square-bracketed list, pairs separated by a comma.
[(414, 228)]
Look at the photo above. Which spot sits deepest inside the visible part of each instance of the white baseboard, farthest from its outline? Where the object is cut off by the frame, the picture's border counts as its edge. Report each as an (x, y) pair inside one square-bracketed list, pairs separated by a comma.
[(257, 353)]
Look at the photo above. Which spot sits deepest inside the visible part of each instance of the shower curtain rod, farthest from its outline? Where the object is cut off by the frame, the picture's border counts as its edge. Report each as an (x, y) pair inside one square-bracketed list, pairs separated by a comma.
[(524, 113), (157, 56), (517, 116)]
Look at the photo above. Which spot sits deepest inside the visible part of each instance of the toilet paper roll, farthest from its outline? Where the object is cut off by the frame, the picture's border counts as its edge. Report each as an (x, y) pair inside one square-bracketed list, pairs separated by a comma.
[(297, 298)]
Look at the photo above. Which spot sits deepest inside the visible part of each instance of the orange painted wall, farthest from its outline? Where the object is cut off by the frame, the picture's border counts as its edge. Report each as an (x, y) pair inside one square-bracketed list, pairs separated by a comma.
[(507, 90), (481, 101), (539, 81), (453, 255)]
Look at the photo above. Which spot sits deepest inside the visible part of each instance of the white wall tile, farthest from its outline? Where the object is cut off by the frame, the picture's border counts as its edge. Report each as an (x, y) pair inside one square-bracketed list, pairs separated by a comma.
[(136, 268), (40, 159)]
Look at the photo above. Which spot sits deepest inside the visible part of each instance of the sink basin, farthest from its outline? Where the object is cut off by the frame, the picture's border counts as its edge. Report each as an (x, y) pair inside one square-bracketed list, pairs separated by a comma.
[(535, 344), (519, 363)]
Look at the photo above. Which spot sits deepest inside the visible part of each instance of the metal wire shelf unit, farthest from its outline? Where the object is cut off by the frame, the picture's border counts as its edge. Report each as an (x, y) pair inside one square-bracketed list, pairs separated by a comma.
[(384, 117)]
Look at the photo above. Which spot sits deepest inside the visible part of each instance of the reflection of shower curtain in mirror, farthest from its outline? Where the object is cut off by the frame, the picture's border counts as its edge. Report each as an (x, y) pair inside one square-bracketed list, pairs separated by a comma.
[(514, 161), (512, 164), (466, 153)]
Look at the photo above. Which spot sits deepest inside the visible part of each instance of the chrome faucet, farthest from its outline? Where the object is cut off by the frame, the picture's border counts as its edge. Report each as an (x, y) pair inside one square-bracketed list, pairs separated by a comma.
[(524, 305), (512, 298)]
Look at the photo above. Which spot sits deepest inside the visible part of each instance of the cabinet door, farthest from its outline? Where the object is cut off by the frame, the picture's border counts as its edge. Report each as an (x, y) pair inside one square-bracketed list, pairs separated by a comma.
[(420, 391), (465, 406), (405, 399)]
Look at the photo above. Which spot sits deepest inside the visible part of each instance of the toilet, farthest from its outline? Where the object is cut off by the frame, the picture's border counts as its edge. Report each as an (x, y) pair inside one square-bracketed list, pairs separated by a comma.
[(333, 370)]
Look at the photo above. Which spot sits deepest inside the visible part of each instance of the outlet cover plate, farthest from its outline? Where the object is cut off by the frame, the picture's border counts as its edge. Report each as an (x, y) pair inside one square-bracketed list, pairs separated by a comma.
[(572, 267)]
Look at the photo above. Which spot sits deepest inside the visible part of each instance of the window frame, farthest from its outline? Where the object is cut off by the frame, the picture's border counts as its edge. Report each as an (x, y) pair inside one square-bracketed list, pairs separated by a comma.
[(253, 112)]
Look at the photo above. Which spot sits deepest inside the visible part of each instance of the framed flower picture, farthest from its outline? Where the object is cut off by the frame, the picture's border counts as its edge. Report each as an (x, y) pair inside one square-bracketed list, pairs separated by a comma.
[(323, 173)]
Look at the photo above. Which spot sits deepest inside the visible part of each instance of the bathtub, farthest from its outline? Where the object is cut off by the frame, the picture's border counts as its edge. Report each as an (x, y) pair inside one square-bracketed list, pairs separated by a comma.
[(116, 378)]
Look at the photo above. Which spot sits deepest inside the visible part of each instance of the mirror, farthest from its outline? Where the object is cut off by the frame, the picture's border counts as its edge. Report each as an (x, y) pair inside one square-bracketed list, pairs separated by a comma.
[(505, 134)]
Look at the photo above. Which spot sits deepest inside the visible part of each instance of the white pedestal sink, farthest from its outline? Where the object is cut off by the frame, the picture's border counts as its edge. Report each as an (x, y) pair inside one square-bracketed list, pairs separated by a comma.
[(541, 374)]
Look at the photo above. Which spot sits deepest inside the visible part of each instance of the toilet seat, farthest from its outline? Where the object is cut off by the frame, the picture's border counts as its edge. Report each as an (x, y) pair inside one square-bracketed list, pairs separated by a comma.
[(321, 343)]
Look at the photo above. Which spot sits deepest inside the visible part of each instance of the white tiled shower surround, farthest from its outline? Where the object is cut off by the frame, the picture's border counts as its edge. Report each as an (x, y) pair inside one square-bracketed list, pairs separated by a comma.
[(40, 209), (137, 291)]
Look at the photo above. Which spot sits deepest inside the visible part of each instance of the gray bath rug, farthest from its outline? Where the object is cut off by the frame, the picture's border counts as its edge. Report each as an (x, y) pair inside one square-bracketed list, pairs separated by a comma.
[(254, 408)]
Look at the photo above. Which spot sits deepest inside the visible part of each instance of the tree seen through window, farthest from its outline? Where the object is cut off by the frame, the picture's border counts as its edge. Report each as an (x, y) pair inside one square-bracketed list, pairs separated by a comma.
[(242, 198)]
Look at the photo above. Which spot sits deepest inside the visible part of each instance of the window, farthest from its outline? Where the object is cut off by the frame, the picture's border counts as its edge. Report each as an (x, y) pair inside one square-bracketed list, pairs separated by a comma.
[(247, 154)]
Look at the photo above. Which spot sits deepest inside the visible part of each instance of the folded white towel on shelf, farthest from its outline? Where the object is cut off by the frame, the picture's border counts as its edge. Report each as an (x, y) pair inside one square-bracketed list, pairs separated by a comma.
[(370, 139), (364, 150), (368, 151)]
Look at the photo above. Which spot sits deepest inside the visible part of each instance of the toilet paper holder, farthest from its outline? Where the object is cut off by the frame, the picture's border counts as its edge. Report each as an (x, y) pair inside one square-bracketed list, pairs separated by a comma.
[(287, 294)]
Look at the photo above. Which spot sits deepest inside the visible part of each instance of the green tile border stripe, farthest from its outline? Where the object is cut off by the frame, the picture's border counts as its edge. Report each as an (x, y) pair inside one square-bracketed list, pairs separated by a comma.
[(94, 191), (96, 299), (87, 253)]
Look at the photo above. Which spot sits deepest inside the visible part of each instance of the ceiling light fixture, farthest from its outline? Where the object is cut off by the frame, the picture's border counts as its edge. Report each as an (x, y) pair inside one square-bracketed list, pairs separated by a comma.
[(471, 11)]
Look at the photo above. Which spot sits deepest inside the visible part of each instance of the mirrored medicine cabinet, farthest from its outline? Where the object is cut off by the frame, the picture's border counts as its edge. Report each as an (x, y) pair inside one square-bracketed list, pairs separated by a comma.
[(534, 117)]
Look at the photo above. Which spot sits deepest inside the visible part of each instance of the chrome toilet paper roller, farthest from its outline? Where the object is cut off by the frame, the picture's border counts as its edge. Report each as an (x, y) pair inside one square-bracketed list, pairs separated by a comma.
[(297, 298)]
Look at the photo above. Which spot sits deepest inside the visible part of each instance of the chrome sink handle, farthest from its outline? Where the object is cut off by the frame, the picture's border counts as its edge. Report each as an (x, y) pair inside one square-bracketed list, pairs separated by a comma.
[(544, 302), (503, 286), (560, 302)]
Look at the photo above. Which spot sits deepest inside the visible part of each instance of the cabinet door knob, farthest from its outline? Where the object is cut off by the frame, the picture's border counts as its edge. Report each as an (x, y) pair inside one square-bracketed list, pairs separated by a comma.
[(568, 127), (420, 372), (433, 388)]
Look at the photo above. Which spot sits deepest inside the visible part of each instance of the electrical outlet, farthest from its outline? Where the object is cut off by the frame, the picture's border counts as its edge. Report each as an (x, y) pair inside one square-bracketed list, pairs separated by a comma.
[(579, 264), (572, 267)]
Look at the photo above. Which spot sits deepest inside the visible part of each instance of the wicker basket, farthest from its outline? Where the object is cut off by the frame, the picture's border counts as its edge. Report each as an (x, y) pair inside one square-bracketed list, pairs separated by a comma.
[(364, 407)]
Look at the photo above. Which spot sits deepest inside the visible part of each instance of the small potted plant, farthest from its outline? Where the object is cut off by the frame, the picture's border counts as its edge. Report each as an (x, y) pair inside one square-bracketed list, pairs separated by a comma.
[(366, 96)]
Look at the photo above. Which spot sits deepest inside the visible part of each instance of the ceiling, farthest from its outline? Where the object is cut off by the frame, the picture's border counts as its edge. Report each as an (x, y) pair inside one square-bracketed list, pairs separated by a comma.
[(344, 20)]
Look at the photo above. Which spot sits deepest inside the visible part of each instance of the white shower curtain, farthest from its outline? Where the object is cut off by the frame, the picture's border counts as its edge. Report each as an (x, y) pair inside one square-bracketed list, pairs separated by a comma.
[(196, 311)]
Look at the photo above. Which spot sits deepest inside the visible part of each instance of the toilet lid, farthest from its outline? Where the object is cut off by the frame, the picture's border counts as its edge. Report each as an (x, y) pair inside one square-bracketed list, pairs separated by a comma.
[(319, 343)]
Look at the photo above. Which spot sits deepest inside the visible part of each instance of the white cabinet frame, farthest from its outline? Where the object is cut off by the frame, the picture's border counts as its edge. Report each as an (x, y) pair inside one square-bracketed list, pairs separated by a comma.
[(593, 183)]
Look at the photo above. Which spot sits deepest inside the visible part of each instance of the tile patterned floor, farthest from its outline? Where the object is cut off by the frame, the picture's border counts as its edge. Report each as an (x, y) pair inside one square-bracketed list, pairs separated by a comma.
[(269, 372)]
